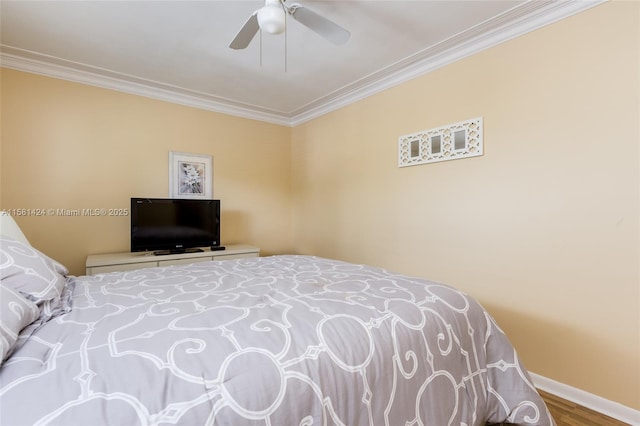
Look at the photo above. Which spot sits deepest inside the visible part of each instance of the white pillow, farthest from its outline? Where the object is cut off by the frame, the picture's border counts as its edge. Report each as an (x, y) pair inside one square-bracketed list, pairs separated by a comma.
[(9, 228)]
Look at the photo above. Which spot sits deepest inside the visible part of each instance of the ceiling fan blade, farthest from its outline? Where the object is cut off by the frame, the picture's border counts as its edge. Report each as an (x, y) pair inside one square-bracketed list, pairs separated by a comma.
[(246, 33), (319, 24)]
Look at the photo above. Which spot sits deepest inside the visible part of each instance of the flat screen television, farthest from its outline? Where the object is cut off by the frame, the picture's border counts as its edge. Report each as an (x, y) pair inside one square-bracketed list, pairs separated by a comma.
[(171, 225)]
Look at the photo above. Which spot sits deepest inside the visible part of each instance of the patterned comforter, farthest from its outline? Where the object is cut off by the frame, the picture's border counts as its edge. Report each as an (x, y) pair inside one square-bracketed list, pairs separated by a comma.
[(282, 340)]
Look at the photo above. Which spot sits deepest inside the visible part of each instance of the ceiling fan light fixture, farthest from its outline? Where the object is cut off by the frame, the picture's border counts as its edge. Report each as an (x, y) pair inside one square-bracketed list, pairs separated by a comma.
[(271, 17)]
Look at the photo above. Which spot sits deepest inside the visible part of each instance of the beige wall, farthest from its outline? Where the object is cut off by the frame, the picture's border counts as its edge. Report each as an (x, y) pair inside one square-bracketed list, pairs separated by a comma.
[(71, 146), (542, 229)]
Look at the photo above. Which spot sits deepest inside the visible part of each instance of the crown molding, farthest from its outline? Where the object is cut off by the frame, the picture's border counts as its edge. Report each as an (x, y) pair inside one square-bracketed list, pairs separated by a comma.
[(513, 23), (522, 19), (32, 62)]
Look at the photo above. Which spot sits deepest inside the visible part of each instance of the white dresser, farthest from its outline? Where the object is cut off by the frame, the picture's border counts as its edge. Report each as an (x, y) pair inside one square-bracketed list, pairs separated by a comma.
[(111, 262)]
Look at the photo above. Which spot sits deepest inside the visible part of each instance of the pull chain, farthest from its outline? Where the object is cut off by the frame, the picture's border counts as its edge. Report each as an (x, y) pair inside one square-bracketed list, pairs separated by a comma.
[(260, 48)]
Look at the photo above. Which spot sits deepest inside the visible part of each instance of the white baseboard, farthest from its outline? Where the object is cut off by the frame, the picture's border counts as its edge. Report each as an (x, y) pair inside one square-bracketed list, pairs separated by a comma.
[(586, 399)]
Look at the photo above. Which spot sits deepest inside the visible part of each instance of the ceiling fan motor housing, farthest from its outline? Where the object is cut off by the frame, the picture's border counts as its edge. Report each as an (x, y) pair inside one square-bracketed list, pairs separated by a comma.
[(271, 17)]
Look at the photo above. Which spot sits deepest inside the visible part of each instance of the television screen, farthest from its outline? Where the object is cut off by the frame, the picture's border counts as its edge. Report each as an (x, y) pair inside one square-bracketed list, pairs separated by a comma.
[(174, 225)]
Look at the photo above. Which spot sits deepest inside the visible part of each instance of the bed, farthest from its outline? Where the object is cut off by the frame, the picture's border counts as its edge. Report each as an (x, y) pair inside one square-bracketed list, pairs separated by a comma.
[(279, 340)]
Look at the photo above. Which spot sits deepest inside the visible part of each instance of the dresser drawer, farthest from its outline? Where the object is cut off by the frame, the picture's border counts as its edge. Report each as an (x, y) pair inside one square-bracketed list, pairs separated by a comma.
[(118, 268), (183, 261), (235, 256)]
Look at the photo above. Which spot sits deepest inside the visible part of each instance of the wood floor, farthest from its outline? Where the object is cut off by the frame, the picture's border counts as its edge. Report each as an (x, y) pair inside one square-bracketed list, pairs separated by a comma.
[(567, 413)]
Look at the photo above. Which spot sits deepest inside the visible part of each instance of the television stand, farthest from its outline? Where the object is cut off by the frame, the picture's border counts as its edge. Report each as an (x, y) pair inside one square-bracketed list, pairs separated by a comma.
[(177, 251), (127, 261)]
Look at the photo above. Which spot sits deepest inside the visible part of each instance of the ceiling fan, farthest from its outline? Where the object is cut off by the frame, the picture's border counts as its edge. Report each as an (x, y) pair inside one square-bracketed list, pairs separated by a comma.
[(271, 19)]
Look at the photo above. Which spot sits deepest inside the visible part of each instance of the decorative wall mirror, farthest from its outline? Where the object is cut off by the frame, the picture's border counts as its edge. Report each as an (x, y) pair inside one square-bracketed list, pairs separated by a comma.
[(450, 142)]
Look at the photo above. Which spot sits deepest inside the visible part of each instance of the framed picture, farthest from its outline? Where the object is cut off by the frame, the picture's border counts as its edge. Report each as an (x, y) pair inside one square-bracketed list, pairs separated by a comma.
[(190, 175)]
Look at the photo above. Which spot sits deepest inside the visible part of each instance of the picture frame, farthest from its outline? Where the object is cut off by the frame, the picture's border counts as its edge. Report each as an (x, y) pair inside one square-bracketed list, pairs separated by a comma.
[(190, 175)]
